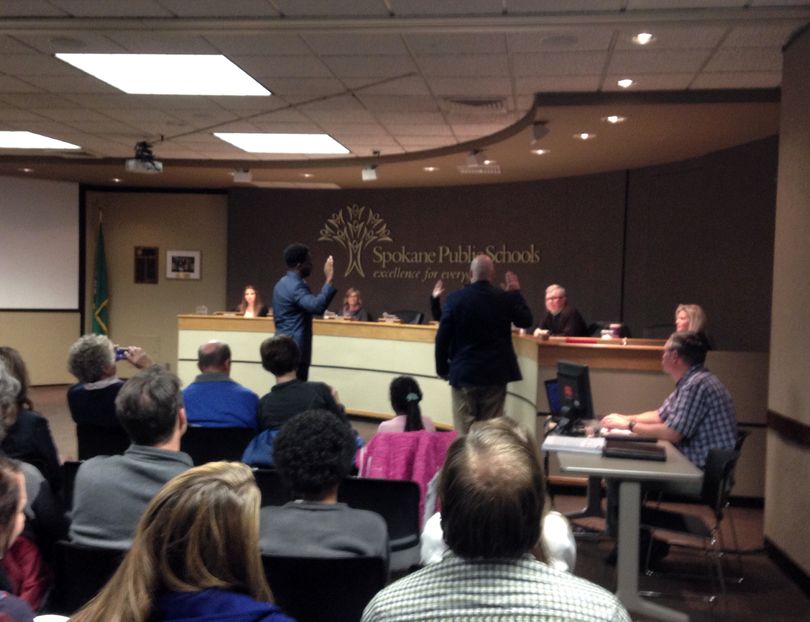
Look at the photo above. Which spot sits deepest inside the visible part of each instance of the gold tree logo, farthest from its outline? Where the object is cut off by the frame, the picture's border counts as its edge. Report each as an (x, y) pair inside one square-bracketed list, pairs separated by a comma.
[(354, 228)]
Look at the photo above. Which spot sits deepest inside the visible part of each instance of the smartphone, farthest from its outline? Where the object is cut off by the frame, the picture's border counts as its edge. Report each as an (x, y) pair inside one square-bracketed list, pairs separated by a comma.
[(120, 353)]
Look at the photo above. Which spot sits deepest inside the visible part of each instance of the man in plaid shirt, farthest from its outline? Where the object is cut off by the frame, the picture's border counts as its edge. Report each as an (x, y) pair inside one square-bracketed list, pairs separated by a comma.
[(698, 415)]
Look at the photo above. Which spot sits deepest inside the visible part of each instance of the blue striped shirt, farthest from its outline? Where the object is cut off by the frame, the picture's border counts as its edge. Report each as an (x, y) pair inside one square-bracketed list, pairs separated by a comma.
[(701, 410)]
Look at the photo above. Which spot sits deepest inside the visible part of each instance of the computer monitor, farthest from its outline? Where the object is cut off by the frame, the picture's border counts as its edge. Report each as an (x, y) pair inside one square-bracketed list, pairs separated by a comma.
[(576, 403)]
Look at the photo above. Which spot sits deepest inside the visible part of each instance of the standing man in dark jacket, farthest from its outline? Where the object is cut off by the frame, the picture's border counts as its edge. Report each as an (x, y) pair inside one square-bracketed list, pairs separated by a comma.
[(474, 343), (294, 304)]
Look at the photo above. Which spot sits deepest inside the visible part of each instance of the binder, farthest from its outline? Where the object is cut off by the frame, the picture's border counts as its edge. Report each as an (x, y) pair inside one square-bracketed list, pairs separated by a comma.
[(634, 450)]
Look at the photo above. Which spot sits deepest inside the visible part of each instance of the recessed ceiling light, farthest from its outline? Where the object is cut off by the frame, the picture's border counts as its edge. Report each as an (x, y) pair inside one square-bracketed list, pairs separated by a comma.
[(116, 180), (307, 175), (430, 169), (25, 169), (614, 119), (489, 161), (168, 74), (321, 144), (643, 38), (625, 83), (585, 136), (29, 140), (540, 151)]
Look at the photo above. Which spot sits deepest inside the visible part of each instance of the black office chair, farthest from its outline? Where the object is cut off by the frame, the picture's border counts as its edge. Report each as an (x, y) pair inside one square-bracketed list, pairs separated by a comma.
[(718, 481), (98, 440), (69, 469), (271, 487), (312, 589), (206, 444), (397, 501), (409, 316), (81, 571)]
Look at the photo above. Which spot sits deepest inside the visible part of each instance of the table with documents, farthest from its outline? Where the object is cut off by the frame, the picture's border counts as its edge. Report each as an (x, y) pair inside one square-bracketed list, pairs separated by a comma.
[(630, 474)]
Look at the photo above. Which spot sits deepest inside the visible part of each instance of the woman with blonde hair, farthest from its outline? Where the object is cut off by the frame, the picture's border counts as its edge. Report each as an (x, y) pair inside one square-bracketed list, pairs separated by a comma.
[(251, 304), (353, 306), (692, 318), (195, 556)]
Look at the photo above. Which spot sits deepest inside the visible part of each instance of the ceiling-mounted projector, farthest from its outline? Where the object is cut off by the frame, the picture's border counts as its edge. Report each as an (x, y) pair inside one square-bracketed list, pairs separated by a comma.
[(144, 160)]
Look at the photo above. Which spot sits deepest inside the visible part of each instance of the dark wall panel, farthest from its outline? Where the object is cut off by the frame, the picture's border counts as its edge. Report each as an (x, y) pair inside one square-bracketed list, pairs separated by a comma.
[(562, 230), (696, 231), (701, 231)]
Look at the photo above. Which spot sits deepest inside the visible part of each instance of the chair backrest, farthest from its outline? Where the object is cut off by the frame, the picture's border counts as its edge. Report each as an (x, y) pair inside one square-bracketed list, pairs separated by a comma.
[(272, 488), (718, 478), (69, 469), (311, 589), (81, 571), (99, 440), (206, 444), (409, 316), (741, 436), (397, 501)]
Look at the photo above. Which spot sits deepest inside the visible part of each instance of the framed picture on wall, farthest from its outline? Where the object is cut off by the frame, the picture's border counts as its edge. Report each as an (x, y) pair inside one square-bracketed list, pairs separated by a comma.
[(146, 264), (183, 264)]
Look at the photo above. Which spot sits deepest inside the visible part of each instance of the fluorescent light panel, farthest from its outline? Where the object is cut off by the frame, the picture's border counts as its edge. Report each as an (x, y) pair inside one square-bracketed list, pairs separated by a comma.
[(29, 140), (168, 74), (321, 144)]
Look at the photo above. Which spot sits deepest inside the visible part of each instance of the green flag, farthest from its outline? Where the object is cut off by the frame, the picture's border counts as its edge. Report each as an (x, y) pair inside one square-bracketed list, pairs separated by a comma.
[(101, 299)]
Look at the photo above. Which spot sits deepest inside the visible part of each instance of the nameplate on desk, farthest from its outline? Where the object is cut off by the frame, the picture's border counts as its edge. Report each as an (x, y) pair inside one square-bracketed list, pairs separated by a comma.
[(574, 444)]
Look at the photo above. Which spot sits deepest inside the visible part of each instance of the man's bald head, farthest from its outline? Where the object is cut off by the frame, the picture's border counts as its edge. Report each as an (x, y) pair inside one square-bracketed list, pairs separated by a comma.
[(482, 269), (214, 356)]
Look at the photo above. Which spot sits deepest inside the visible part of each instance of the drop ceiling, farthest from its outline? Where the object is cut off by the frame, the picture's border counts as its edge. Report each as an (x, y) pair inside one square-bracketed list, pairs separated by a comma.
[(421, 82)]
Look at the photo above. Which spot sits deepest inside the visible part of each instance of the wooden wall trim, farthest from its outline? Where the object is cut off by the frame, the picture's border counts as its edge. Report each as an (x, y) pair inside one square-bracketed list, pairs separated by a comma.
[(791, 569), (790, 429)]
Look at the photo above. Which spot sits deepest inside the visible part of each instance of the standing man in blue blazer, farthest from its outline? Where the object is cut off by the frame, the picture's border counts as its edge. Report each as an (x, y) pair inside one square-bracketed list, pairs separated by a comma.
[(474, 343), (294, 304)]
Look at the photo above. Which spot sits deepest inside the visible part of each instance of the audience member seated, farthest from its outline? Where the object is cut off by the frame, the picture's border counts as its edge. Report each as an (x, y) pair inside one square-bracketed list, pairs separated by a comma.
[(405, 395), (111, 492), (251, 305), (46, 518), (92, 360), (353, 306), (195, 556), (28, 437), (557, 546), (692, 318), (22, 572), (290, 396), (313, 453), (492, 497), (560, 318), (213, 399)]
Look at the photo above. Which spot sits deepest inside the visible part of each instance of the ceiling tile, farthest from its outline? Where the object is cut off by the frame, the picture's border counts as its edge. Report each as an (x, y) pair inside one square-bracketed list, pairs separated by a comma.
[(471, 87), (634, 5), (461, 65), (71, 84), (261, 67), (411, 118), (309, 87), (355, 44), (456, 43), (342, 131), (324, 117), (369, 67), (556, 84), (766, 35), (424, 141), (427, 128), (29, 8), (105, 8), (333, 8), (746, 59), (15, 114), (687, 36), (13, 85), (738, 80), (559, 63), (651, 82), (287, 128), (403, 85), (101, 126), (35, 64), (9, 45), (146, 42), (393, 102), (84, 41), (218, 8), (254, 44), (37, 100), (431, 8), (72, 114), (631, 62), (561, 40)]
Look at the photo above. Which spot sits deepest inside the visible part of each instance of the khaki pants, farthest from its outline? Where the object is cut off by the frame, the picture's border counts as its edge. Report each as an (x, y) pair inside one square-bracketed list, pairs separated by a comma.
[(471, 404)]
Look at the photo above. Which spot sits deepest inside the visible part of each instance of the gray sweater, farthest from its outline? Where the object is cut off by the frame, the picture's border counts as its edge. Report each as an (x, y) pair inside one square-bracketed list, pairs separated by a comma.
[(111, 493)]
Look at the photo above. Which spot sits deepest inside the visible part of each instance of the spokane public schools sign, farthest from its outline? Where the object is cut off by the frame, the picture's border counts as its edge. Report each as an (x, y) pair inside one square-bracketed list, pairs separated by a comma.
[(359, 231)]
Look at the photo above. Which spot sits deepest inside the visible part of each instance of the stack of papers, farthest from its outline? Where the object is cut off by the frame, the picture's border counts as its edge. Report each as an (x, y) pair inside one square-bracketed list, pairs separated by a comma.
[(574, 444)]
